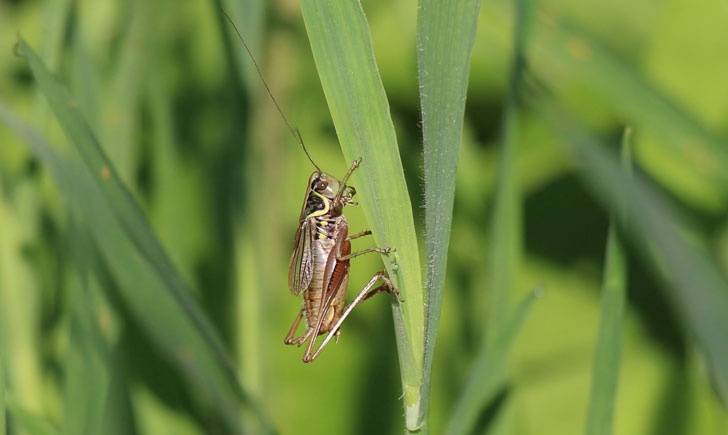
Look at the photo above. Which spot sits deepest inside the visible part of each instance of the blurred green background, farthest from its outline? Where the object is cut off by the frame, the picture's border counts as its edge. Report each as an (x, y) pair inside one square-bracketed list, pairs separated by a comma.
[(190, 131)]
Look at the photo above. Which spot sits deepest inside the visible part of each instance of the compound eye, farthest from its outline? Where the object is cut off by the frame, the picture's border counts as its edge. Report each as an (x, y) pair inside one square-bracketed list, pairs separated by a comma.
[(321, 185)]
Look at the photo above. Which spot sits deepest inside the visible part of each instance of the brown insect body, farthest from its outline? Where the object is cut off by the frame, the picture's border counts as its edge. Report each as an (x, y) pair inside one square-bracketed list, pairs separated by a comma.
[(319, 266), (328, 275)]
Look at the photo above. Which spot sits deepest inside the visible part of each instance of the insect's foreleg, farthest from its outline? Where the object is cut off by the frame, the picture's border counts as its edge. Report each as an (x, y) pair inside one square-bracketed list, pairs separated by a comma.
[(342, 185), (363, 295), (362, 252), (354, 165), (362, 234)]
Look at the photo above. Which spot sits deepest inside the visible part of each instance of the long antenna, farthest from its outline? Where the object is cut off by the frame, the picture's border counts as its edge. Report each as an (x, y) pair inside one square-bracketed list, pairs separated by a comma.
[(296, 134)]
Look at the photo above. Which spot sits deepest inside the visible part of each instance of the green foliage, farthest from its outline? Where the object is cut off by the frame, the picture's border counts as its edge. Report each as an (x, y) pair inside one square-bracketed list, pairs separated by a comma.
[(609, 343), (341, 46), (149, 193), (445, 35), (489, 370)]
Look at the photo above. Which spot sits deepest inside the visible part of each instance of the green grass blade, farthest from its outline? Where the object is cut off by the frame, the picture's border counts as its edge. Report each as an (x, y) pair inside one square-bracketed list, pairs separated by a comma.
[(693, 281), (55, 20), (130, 217), (342, 49), (121, 110), (505, 232), (445, 35), (142, 287), (87, 369), (139, 284), (605, 373), (489, 372), (30, 423)]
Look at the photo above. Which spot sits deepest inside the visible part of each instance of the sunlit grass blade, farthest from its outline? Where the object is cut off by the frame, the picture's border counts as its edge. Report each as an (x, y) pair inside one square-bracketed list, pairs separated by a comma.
[(605, 373), (445, 35), (488, 374), (693, 281), (140, 285), (29, 423), (342, 49)]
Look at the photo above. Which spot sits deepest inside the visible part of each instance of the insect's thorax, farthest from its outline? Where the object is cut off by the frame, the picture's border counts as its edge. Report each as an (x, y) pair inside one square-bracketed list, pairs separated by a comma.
[(326, 227)]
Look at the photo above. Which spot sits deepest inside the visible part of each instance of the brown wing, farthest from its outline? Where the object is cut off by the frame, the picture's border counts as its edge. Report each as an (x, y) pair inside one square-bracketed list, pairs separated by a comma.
[(300, 269), (335, 274)]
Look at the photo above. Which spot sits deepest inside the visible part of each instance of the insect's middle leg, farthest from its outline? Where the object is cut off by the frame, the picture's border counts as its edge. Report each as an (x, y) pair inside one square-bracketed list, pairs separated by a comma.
[(362, 252), (362, 234)]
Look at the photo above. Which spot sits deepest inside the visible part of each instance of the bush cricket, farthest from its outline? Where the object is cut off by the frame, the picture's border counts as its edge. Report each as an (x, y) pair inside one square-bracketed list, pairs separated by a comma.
[(319, 266)]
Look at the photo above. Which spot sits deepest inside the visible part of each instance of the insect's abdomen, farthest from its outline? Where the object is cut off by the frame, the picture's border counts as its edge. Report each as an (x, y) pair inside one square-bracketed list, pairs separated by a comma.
[(313, 296)]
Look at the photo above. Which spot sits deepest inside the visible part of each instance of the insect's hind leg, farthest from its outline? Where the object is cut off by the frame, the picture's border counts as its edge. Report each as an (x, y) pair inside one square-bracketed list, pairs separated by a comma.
[(289, 337), (363, 295)]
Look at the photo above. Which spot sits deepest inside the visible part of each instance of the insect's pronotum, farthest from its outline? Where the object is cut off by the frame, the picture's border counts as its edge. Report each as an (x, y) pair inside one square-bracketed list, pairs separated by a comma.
[(319, 266)]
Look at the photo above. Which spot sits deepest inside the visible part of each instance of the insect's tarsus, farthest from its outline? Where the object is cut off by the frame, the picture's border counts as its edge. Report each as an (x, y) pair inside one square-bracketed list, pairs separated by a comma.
[(296, 134)]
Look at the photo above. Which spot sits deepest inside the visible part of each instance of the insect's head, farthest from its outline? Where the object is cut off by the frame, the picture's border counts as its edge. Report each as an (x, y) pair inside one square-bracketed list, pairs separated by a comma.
[(328, 186), (324, 189)]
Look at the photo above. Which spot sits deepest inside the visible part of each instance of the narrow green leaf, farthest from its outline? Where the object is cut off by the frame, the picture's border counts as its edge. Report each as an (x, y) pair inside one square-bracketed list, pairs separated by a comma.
[(488, 375), (86, 374), (84, 80), (249, 16), (505, 233), (125, 210), (342, 49), (55, 21), (693, 281), (29, 423), (141, 285), (121, 118), (445, 35), (605, 374)]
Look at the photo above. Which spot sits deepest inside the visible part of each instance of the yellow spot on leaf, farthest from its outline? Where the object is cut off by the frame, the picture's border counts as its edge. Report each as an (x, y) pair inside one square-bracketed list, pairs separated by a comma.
[(105, 173)]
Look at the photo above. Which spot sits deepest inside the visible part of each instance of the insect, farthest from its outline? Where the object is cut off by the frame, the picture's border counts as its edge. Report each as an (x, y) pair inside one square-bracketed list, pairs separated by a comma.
[(319, 266)]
